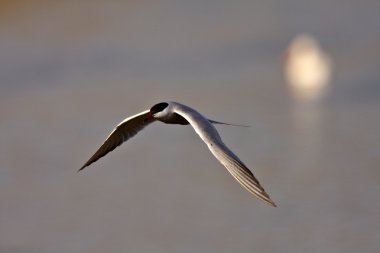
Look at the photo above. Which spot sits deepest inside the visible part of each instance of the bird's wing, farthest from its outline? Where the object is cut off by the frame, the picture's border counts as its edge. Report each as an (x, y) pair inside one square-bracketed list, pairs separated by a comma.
[(121, 133), (233, 164)]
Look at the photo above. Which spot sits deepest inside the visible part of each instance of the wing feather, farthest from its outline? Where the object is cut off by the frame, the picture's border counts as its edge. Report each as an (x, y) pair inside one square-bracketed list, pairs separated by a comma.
[(208, 133), (121, 133)]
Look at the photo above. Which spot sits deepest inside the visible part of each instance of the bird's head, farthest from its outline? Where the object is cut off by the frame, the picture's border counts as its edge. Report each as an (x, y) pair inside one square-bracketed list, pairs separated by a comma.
[(158, 111)]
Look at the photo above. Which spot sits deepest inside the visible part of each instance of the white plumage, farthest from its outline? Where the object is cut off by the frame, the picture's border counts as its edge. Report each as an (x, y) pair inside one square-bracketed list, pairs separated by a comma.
[(176, 113)]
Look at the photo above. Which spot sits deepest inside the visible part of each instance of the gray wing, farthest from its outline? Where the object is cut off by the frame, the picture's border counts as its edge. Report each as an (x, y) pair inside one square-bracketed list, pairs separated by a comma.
[(121, 133), (233, 164)]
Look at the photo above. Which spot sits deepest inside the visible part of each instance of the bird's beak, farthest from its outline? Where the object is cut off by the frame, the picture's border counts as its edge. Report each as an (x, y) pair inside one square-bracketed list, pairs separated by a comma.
[(149, 117)]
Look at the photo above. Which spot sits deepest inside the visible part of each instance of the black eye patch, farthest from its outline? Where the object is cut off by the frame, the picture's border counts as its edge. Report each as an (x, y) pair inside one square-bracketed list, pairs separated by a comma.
[(158, 107)]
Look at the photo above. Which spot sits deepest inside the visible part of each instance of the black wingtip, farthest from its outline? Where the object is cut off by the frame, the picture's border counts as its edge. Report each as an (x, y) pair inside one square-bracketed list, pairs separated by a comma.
[(84, 166), (269, 200), (273, 204)]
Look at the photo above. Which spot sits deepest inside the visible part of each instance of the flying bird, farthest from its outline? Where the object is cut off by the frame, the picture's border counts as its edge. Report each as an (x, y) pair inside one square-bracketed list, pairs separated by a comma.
[(176, 113)]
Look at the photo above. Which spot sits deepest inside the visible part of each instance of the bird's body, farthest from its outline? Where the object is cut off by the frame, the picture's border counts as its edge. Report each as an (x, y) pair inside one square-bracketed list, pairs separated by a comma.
[(176, 113)]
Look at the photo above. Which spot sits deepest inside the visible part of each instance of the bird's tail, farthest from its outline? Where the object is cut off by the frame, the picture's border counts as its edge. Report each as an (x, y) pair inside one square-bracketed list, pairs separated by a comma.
[(223, 123)]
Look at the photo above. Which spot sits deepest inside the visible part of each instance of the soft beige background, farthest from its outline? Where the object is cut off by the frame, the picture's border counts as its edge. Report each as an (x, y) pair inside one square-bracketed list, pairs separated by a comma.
[(71, 70)]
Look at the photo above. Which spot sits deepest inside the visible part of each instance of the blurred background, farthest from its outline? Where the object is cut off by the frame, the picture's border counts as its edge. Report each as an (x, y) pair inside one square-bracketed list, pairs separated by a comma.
[(71, 70)]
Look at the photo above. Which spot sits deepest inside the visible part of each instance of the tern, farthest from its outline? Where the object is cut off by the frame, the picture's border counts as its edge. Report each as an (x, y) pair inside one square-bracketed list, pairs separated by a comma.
[(176, 113)]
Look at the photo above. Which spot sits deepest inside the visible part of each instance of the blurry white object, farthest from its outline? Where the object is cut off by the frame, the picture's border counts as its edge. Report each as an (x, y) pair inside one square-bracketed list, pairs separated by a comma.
[(307, 68)]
